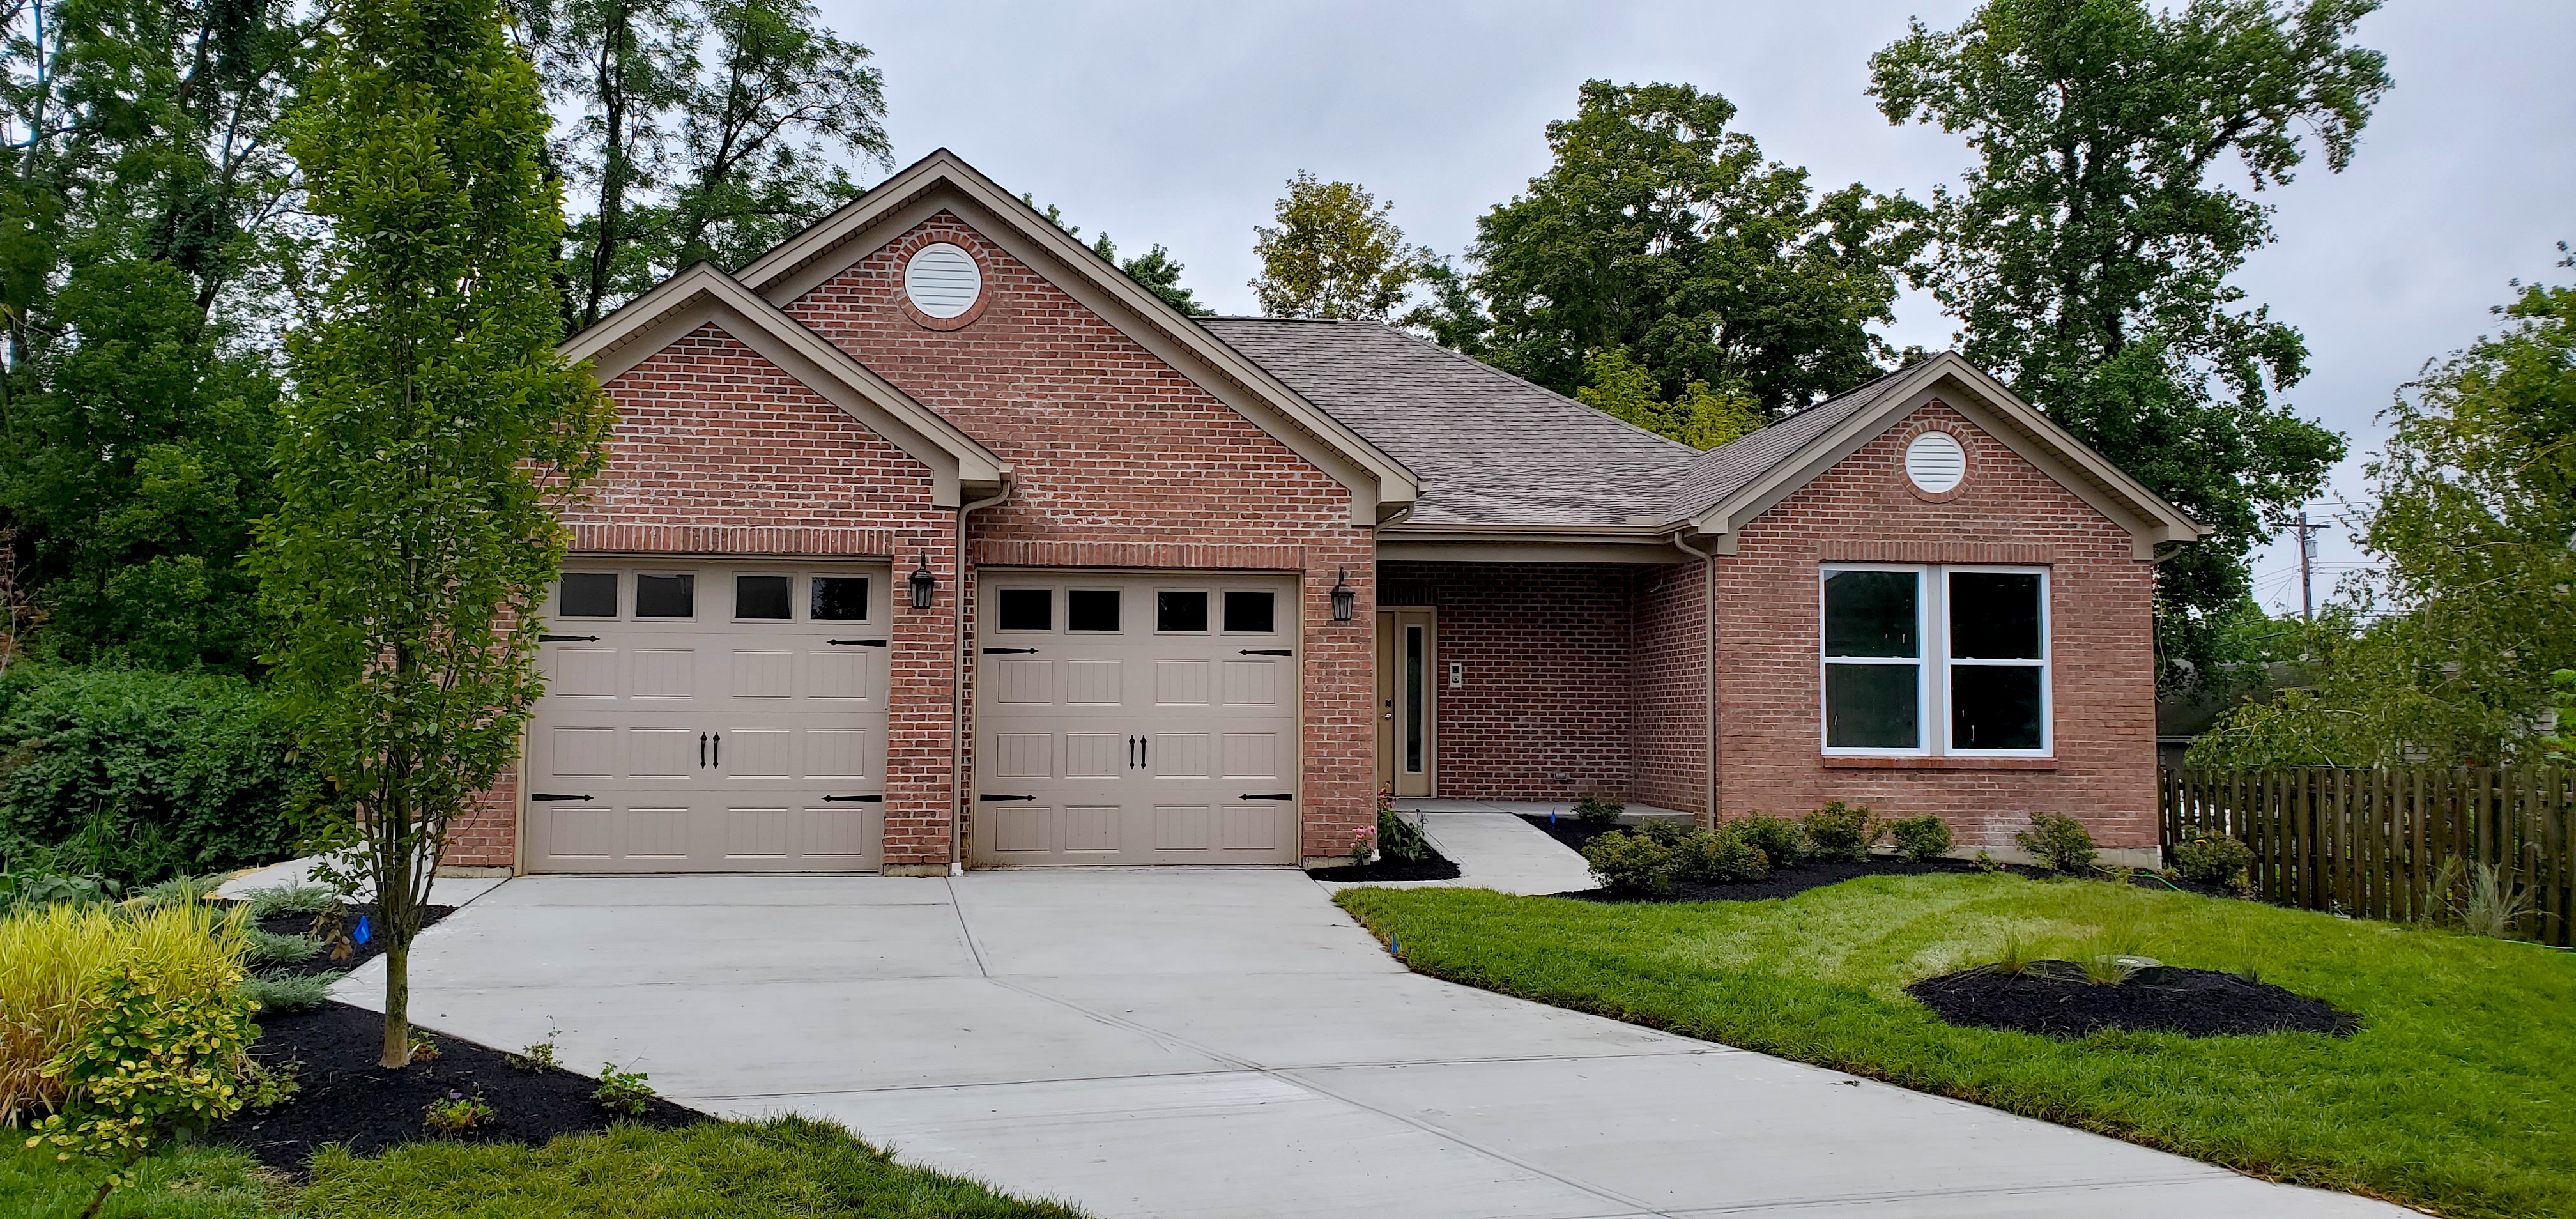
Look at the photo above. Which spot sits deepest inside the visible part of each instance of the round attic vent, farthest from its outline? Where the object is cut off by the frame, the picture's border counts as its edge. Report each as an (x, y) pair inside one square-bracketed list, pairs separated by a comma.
[(942, 281), (1936, 463)]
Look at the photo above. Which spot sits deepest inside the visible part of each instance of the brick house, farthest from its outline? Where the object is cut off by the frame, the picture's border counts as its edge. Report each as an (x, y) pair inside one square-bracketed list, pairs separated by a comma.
[(929, 538)]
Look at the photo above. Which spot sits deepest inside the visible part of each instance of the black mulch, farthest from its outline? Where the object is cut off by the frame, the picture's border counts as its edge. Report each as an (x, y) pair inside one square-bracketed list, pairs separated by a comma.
[(338, 934), (2053, 999), (1437, 867), (1574, 834), (347, 1098)]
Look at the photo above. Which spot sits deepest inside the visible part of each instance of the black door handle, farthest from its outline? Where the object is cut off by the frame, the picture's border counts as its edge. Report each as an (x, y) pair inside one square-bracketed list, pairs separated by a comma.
[(1144, 751), (859, 799), (702, 751), (1265, 652), (856, 643), (719, 749), (567, 638), (1267, 796), (1131, 753), (1010, 651), (553, 796), (989, 799)]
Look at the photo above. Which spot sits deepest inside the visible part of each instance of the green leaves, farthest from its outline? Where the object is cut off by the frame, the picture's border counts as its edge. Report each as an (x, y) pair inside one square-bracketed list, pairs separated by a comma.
[(1336, 253)]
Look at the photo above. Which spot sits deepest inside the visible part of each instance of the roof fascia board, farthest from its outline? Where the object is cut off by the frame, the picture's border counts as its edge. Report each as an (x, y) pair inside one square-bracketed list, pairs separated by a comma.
[(1411, 549), (942, 181), (704, 295)]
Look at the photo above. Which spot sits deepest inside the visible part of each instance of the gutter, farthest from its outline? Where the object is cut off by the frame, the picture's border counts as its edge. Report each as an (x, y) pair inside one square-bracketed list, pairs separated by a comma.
[(957, 691), (1708, 661)]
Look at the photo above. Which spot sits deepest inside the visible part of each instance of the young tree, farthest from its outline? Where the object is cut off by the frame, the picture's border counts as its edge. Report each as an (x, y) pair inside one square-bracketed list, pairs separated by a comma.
[(431, 430), (1660, 232), (1336, 254), (1617, 385), (2088, 253)]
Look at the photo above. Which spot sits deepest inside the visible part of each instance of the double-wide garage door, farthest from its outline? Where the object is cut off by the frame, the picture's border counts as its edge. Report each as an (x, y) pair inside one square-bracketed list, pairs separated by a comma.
[(1136, 719), (711, 717)]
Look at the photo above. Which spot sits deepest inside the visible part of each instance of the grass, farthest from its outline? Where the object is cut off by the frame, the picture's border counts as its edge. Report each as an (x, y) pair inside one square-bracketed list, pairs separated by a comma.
[(2458, 1095), (786, 1168), (51, 959)]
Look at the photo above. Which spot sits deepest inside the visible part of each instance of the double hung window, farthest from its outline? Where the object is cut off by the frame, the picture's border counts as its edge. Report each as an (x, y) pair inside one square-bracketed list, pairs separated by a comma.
[(1936, 660)]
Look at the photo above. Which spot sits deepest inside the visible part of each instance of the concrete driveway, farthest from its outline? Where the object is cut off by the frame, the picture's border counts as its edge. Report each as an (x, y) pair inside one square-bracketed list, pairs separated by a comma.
[(1205, 1043)]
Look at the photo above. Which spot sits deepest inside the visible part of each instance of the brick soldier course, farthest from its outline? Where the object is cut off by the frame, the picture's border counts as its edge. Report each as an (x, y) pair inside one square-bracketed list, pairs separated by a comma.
[(1066, 420)]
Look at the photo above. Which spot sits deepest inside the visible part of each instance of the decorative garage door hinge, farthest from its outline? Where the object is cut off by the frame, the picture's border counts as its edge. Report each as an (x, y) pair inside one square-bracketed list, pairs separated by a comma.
[(858, 643), (567, 638), (989, 798), (1265, 652), (1010, 651), (1267, 796), (858, 799), (553, 796)]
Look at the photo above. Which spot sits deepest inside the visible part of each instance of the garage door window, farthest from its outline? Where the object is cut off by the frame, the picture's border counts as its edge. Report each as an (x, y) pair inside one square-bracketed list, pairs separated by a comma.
[(588, 594), (771, 598), (1091, 609), (839, 599), (1249, 613), (1180, 611), (665, 595), (1025, 609)]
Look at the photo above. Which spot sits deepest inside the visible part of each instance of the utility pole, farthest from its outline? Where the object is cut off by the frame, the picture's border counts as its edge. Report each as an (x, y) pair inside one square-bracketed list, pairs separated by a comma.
[(2307, 558)]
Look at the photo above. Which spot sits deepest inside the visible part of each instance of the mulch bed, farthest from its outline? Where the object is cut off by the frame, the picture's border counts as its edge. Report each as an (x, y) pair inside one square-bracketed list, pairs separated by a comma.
[(2054, 999), (1437, 867), (359, 954), (346, 1098)]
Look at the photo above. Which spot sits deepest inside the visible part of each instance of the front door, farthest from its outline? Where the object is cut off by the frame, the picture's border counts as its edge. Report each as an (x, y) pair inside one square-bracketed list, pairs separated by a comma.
[(1406, 744)]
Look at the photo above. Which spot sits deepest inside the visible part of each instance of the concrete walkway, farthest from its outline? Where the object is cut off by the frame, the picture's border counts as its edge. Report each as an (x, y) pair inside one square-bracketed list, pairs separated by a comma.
[(1209, 1043), (1494, 849)]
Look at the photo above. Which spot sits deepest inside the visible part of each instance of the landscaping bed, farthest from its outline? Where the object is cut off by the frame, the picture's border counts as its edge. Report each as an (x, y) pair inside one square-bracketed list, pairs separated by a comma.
[(346, 1098), (1437, 867), (337, 932), (2055, 999)]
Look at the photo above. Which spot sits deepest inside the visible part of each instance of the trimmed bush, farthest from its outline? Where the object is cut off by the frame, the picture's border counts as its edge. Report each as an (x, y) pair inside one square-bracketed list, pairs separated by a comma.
[(271, 948), (141, 776), (1598, 809), (1839, 831), (2213, 861), (1782, 842), (291, 899), (54, 960), (1921, 839), (2057, 842), (1666, 830), (282, 993), (1722, 858), (1632, 864)]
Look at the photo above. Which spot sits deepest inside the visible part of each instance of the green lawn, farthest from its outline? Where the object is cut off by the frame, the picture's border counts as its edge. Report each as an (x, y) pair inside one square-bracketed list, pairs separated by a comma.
[(789, 1168), (2458, 1094)]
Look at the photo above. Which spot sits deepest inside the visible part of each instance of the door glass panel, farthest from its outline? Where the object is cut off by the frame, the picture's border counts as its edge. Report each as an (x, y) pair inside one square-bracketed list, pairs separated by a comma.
[(769, 597), (1249, 612), (839, 599), (1180, 611), (589, 594), (665, 595), (1870, 613), (1994, 615), (1871, 707), (1091, 609), (1995, 707), (1026, 609), (1413, 725)]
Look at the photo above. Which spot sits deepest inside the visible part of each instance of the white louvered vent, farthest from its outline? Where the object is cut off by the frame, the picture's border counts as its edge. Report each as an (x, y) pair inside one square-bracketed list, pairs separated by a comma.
[(942, 280), (1936, 463)]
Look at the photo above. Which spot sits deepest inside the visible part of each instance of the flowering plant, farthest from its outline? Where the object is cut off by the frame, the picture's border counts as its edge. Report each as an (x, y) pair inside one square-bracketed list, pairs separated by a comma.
[(1363, 845)]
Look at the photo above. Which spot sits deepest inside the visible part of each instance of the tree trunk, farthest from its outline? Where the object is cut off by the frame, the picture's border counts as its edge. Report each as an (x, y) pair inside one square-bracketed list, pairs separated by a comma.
[(397, 1003)]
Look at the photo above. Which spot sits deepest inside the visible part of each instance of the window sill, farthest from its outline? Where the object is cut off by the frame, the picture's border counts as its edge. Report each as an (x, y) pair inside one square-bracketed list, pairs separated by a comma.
[(1850, 762)]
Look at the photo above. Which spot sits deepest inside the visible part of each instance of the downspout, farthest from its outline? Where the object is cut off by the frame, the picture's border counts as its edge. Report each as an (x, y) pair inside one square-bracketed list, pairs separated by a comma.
[(957, 692), (1708, 659)]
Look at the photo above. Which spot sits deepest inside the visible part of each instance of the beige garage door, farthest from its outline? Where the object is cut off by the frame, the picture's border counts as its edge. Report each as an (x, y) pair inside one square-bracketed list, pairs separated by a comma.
[(710, 717), (1136, 720)]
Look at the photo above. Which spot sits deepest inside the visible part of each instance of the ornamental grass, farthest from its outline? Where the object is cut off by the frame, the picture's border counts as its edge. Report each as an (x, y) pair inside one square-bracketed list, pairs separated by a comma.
[(51, 962)]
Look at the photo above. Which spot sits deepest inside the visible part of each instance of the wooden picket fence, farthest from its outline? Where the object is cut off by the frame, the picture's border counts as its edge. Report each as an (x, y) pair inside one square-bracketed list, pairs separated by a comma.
[(2368, 842)]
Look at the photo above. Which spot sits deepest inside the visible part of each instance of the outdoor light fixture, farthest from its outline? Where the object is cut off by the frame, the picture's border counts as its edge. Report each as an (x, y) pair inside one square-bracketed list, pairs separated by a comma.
[(923, 583), (1343, 596)]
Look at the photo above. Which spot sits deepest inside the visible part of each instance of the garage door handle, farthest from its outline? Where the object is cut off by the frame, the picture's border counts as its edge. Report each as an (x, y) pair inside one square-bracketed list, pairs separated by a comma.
[(702, 751), (1266, 652), (719, 749), (857, 643), (859, 799), (1267, 796), (567, 638), (1010, 651), (553, 796), (990, 799)]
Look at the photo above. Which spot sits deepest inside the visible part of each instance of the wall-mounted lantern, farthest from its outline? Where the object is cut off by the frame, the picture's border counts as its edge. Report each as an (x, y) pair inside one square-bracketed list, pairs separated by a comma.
[(1343, 597), (923, 583)]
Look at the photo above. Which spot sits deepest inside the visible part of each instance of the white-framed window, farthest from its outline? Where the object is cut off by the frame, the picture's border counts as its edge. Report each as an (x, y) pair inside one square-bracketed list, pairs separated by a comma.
[(1925, 660)]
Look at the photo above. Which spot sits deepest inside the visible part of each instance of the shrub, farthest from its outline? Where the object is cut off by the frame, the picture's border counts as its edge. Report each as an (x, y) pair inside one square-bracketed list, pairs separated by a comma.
[(536, 1056), (1782, 842), (1632, 864), (456, 1112), (140, 776), (1920, 838), (1721, 858), (265, 1087), (622, 1091), (54, 960), (283, 993), (2057, 842), (182, 891), (156, 1055), (38, 889), (1399, 839), (2212, 861), (291, 899), (1841, 831), (1598, 809), (1666, 830), (270, 948)]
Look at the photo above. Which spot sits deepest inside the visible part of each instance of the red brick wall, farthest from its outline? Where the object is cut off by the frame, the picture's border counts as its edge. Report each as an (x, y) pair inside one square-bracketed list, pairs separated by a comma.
[(2101, 636), (1112, 448), (1668, 736), (1546, 649)]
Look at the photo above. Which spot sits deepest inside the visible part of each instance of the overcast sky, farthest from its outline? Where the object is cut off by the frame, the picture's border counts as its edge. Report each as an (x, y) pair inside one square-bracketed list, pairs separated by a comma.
[(1179, 123)]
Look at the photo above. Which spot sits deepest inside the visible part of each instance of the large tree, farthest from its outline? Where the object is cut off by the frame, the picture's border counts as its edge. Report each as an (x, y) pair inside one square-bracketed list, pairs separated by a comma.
[(431, 432), (2090, 250), (1335, 253), (1660, 232)]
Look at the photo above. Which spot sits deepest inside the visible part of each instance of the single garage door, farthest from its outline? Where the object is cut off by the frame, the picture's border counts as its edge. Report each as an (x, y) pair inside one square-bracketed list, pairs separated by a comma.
[(710, 717), (1136, 719)]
